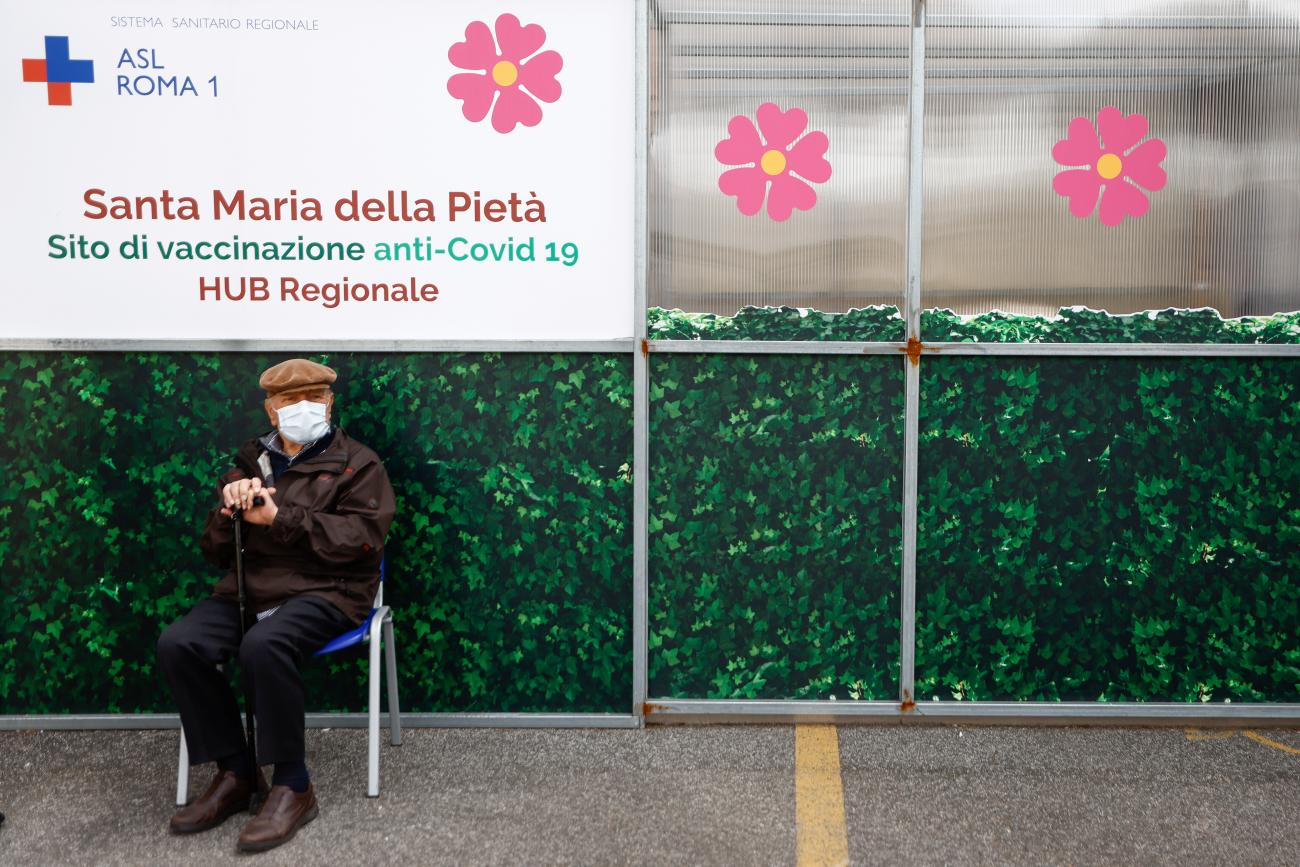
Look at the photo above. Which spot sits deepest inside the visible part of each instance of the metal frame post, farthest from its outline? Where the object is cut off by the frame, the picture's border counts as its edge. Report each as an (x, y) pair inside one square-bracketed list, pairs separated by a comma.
[(912, 363), (640, 386)]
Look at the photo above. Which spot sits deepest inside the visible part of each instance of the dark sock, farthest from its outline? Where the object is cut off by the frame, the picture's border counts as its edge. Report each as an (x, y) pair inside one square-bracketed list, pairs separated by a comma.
[(291, 774), (238, 763)]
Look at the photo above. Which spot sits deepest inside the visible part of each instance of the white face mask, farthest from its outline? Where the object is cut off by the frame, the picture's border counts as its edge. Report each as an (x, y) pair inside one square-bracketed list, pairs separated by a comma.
[(303, 422)]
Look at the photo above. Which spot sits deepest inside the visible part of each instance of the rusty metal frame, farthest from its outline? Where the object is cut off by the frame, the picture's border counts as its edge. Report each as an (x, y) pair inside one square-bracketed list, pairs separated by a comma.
[(915, 349), (640, 382), (912, 367), (692, 711), (906, 709)]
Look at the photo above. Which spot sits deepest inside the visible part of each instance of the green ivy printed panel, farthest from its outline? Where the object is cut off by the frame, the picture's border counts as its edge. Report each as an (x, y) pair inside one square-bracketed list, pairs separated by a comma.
[(884, 323), (509, 561), (774, 526), (1083, 325), (878, 323), (1119, 529), (1090, 528)]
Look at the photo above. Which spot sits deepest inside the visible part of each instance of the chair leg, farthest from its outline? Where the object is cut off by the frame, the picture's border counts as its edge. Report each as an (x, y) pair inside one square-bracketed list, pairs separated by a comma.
[(183, 774), (390, 663), (372, 788)]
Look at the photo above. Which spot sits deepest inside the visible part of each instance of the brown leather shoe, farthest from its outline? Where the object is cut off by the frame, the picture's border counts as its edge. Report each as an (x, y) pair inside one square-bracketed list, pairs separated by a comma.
[(225, 796), (284, 812)]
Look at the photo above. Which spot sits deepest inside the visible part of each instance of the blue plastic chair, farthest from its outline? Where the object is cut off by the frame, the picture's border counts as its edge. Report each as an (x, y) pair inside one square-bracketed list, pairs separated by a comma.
[(377, 629)]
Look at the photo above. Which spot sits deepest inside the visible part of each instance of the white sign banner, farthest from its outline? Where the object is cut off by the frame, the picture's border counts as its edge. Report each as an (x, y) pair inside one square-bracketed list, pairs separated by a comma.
[(245, 170)]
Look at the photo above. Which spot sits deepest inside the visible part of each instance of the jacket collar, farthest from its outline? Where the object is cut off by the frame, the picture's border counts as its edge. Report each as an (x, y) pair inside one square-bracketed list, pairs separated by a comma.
[(272, 443), (331, 457)]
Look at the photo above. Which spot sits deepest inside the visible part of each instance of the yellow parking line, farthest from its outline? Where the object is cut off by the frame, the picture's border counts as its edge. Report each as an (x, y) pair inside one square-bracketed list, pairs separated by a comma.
[(1198, 735), (820, 837), (1268, 742)]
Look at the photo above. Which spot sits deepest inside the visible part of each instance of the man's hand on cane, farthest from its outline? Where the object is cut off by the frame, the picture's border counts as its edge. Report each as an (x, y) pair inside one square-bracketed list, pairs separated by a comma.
[(241, 494)]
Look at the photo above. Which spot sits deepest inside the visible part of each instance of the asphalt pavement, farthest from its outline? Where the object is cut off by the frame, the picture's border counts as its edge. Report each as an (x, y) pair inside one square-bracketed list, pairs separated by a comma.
[(690, 795)]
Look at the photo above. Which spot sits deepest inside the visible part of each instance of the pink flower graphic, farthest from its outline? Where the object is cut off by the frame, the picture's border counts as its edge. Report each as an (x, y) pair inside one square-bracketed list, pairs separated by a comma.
[(774, 159), (515, 76), (1112, 169)]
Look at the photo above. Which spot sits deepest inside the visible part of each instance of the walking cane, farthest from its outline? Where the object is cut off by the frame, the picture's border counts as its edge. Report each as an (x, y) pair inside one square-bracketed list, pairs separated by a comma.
[(250, 733)]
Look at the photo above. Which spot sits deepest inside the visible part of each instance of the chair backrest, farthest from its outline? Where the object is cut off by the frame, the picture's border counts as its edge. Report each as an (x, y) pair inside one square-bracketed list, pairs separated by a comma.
[(379, 595)]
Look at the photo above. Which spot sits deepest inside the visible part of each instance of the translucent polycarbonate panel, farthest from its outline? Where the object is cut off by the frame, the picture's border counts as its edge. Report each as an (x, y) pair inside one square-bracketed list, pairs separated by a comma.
[(832, 243), (1197, 105)]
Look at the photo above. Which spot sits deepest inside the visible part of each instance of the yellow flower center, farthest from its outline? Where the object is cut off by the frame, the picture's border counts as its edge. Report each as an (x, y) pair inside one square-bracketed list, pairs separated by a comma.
[(1109, 166), (505, 73), (773, 162)]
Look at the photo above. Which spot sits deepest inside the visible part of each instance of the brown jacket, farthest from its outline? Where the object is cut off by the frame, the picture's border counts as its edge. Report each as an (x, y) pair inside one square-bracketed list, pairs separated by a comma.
[(327, 538)]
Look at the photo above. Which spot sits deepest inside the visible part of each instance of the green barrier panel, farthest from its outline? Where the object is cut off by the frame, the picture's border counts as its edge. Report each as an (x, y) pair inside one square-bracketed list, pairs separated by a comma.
[(775, 526), (725, 623), (882, 323), (1083, 325), (510, 559), (1109, 529), (774, 517), (879, 323)]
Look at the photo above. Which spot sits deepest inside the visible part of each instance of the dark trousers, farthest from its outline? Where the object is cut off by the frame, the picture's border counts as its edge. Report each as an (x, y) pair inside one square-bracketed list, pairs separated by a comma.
[(271, 654)]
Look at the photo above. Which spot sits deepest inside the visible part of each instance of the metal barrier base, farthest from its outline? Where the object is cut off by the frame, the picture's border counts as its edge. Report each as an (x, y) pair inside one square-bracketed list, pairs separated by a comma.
[(668, 711), (52, 722), (1221, 714)]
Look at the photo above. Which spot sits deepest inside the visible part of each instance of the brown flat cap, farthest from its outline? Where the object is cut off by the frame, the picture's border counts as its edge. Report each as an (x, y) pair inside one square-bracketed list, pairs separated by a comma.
[(295, 373)]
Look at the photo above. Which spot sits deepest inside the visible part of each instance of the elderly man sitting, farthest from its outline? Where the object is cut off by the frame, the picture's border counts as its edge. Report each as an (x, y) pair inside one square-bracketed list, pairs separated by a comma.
[(312, 556)]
